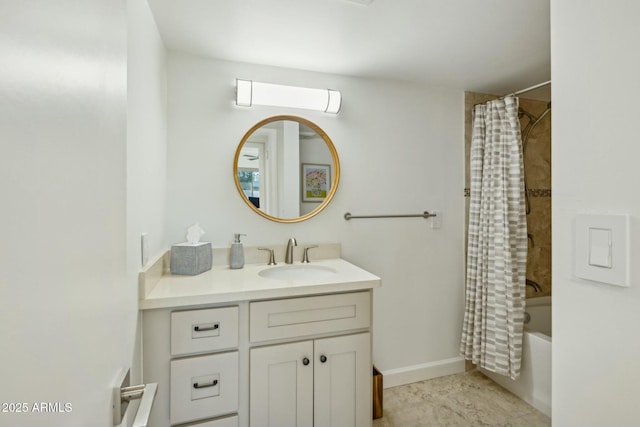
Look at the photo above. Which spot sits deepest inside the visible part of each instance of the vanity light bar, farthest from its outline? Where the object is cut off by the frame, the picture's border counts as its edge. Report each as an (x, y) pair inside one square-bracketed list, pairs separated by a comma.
[(249, 93)]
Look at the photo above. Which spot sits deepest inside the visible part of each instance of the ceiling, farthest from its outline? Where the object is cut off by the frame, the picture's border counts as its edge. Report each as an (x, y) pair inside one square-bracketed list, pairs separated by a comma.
[(493, 46)]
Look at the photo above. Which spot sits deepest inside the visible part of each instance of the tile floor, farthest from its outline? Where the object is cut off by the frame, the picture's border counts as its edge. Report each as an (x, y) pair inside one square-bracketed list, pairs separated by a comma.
[(467, 399)]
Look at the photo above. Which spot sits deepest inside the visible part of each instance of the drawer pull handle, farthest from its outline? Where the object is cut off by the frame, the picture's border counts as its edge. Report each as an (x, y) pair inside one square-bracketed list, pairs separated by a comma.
[(210, 328), (305, 361), (198, 386), (323, 358)]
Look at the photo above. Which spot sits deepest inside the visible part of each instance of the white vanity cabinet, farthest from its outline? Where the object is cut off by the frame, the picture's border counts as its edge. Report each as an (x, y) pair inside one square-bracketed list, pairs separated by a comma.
[(193, 355), (245, 348), (303, 361), (322, 382), (325, 381)]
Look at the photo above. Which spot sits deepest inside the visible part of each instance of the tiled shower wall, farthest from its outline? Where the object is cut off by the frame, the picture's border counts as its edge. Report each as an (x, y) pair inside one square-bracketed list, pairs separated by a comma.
[(537, 164)]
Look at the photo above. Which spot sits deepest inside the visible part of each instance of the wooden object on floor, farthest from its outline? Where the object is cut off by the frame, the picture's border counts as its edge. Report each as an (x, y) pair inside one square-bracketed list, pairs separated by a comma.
[(377, 394)]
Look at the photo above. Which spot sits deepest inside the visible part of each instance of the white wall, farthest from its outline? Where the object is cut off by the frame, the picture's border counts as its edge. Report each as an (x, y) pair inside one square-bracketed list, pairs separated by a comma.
[(595, 69), (146, 132), (146, 151), (401, 151), (67, 314)]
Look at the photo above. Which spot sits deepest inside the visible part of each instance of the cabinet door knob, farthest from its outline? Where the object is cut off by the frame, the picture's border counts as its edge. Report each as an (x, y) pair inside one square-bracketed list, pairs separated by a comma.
[(305, 361), (323, 358)]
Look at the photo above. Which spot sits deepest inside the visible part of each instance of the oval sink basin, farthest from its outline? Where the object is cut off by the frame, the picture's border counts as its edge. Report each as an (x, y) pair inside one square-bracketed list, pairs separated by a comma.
[(298, 272)]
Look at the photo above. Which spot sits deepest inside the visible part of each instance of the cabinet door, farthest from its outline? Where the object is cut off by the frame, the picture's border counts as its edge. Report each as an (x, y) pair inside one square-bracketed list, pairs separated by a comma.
[(281, 385), (342, 388)]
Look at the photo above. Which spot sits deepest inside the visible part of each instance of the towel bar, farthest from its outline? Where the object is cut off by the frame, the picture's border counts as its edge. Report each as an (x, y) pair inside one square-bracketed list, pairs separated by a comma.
[(144, 410), (125, 393), (425, 214)]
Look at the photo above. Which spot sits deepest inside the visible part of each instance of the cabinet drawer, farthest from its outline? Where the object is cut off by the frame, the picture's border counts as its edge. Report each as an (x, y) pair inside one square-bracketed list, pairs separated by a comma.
[(297, 317), (203, 387), (198, 331)]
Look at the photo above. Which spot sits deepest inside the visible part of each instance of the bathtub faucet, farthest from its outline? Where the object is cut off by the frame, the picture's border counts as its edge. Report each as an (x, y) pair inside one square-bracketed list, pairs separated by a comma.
[(537, 288)]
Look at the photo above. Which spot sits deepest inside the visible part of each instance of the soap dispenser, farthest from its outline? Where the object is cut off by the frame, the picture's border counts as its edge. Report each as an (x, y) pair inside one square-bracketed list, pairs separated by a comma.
[(237, 253)]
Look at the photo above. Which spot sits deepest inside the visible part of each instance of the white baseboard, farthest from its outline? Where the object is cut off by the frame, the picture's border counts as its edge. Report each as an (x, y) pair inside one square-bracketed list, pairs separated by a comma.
[(423, 371)]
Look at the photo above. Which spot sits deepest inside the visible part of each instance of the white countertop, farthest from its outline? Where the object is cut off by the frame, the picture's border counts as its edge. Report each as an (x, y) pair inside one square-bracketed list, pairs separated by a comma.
[(223, 285)]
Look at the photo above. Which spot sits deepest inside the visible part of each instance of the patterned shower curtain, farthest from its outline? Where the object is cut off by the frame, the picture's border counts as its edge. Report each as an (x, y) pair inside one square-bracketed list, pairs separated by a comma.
[(497, 241)]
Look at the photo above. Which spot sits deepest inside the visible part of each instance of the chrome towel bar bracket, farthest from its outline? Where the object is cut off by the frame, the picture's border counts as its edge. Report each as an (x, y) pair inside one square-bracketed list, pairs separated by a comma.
[(425, 214), (125, 393)]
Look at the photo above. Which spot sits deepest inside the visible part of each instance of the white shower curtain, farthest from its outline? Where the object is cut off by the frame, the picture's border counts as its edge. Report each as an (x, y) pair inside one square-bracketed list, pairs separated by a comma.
[(497, 241)]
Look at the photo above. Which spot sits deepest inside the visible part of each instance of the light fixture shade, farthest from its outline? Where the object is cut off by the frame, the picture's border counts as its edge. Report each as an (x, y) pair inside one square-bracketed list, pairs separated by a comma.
[(249, 93), (243, 93)]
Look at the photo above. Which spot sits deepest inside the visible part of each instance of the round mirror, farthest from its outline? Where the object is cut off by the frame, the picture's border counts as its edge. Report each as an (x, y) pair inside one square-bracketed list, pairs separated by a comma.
[(286, 169)]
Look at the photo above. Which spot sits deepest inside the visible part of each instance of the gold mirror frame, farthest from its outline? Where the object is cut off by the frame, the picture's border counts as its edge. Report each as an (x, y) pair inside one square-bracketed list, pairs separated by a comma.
[(334, 155)]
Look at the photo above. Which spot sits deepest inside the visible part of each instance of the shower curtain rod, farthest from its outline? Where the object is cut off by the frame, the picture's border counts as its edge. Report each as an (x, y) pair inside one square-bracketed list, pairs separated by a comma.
[(530, 88), (548, 82)]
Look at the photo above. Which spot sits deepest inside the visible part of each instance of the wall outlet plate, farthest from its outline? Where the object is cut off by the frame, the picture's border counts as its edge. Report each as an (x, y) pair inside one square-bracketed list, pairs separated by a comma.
[(601, 248)]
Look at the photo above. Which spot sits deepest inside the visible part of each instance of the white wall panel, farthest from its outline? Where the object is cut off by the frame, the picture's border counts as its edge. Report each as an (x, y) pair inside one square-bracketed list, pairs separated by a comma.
[(67, 314), (595, 151)]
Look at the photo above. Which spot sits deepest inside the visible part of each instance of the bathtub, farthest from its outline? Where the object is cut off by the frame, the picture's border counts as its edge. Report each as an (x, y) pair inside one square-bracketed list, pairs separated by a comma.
[(534, 384)]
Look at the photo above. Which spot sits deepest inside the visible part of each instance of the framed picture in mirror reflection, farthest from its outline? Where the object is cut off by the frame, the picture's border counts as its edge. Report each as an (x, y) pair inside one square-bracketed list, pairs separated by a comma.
[(316, 182)]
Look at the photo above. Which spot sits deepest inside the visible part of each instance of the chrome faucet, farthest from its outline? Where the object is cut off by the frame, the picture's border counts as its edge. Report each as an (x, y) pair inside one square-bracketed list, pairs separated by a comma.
[(288, 257), (305, 254), (272, 258)]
